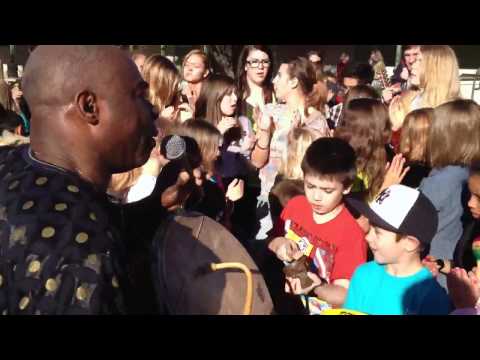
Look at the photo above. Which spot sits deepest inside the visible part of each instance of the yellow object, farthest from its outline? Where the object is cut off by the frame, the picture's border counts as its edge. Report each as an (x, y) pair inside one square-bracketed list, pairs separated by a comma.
[(247, 309), (305, 246), (341, 312)]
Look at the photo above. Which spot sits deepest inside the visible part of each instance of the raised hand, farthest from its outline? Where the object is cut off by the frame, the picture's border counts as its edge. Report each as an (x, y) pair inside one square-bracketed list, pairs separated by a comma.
[(235, 190), (463, 288), (226, 123), (395, 172)]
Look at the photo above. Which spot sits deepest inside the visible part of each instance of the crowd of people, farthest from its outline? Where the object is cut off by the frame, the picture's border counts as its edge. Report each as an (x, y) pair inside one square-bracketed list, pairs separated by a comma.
[(369, 184)]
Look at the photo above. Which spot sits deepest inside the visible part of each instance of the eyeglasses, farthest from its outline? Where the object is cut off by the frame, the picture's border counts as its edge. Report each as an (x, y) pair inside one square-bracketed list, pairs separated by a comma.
[(256, 63)]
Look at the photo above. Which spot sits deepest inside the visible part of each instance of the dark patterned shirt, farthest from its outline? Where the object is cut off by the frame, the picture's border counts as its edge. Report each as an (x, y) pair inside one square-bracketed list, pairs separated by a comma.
[(59, 252)]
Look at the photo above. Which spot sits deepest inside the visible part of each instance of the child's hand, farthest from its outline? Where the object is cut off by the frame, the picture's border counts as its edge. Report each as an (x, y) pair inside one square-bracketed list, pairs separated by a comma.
[(431, 265), (285, 249), (463, 288), (293, 285), (235, 190), (395, 172), (225, 124)]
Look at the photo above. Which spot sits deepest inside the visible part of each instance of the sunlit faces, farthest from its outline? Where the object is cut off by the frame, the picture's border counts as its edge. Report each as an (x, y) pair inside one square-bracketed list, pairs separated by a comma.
[(257, 66), (474, 202), (228, 105), (282, 83), (410, 56), (350, 82), (384, 245), (194, 70), (323, 193)]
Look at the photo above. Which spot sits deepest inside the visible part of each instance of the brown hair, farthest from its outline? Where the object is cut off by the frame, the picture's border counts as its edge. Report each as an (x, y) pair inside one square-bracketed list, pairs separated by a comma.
[(414, 137), (454, 134), (399, 108), (163, 79), (210, 98), (358, 92), (440, 79), (241, 76), (366, 128), (200, 53), (207, 137), (303, 70)]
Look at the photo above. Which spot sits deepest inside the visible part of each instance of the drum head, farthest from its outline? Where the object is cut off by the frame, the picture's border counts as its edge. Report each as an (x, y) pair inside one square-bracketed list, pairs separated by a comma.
[(184, 248)]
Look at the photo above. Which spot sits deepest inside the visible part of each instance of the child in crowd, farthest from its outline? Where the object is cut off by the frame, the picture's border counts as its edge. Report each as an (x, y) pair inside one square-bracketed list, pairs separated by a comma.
[(413, 145), (401, 222), (453, 145), (319, 226)]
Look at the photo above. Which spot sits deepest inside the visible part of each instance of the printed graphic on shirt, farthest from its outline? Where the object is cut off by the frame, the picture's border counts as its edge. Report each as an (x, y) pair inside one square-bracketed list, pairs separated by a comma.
[(320, 251), (323, 255)]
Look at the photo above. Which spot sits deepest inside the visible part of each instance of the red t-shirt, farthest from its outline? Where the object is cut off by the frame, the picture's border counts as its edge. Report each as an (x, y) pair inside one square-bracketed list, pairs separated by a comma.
[(339, 245)]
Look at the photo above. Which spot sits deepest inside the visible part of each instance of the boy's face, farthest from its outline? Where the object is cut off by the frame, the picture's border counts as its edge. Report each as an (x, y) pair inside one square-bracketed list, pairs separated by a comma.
[(474, 202), (384, 245), (323, 193)]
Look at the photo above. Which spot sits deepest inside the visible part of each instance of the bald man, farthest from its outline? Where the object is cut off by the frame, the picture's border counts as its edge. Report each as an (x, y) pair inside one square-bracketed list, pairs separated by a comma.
[(60, 249)]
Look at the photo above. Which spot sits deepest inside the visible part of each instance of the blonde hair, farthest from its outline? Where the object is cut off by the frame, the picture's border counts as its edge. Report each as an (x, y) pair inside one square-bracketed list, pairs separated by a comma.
[(399, 108), (454, 134), (440, 78), (200, 53), (121, 183), (163, 79), (414, 137), (299, 139)]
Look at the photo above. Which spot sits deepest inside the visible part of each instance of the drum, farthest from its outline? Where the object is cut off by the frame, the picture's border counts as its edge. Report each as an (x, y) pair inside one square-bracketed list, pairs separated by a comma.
[(184, 249)]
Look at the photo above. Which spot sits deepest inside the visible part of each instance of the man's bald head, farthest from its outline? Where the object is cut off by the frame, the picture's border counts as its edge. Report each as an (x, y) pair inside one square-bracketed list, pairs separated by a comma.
[(54, 75)]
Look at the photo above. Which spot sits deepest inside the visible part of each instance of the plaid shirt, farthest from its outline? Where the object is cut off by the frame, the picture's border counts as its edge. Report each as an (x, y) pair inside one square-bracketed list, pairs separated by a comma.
[(334, 114)]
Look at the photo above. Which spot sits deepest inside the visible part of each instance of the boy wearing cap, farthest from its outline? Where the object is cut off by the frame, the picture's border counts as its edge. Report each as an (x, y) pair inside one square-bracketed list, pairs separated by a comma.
[(319, 226), (401, 223)]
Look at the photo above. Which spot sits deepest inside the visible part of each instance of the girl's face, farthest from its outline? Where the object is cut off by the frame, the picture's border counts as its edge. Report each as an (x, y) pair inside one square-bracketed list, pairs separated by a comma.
[(474, 202), (228, 105), (194, 70), (257, 66), (417, 70), (281, 83)]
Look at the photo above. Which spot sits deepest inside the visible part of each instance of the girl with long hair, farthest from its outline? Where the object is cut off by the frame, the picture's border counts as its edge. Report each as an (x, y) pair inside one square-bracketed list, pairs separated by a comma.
[(366, 128), (195, 70), (436, 74), (254, 79)]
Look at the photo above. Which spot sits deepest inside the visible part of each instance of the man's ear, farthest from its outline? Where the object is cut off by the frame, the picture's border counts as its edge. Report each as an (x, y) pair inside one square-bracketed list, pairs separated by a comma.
[(412, 244), (86, 103)]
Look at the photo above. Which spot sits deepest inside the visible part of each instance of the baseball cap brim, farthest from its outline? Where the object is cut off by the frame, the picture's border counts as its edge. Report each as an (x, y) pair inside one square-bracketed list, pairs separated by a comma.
[(365, 210)]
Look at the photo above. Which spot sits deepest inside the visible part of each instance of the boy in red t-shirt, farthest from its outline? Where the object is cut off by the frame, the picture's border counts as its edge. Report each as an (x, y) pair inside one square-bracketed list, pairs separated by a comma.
[(319, 226)]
